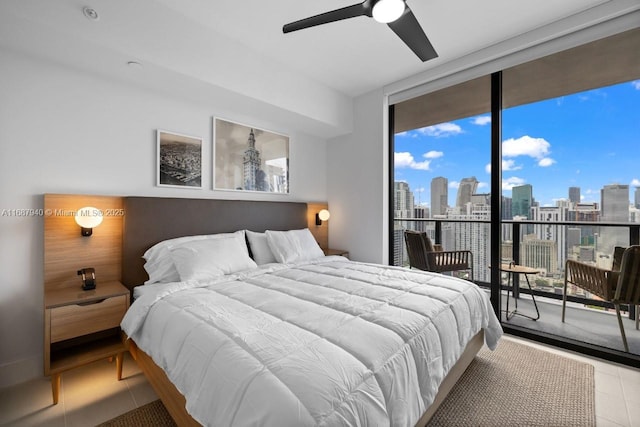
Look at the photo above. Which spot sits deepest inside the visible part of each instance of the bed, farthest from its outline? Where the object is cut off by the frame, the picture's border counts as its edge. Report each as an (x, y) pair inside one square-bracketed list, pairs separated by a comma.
[(304, 340)]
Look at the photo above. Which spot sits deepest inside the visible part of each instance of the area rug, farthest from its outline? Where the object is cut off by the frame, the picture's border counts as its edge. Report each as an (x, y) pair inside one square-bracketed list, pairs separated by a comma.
[(516, 385), (152, 414)]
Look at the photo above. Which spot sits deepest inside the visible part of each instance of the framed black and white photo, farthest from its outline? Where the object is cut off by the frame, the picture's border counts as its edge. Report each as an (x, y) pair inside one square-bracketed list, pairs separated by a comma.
[(179, 161), (247, 158)]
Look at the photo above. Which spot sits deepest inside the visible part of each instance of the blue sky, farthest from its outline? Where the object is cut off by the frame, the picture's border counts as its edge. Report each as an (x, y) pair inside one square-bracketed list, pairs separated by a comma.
[(587, 140)]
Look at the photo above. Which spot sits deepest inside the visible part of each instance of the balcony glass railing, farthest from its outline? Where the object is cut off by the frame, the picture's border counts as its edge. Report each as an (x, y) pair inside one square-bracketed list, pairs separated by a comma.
[(541, 245)]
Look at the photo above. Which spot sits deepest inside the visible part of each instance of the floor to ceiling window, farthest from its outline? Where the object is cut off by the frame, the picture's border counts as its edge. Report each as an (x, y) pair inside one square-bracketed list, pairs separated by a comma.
[(570, 127), (442, 170)]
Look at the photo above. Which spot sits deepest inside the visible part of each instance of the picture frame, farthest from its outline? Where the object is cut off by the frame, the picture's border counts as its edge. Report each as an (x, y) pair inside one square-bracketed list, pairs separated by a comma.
[(178, 160), (248, 158)]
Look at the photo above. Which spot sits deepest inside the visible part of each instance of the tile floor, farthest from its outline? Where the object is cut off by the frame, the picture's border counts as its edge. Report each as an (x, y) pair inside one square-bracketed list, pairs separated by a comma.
[(91, 394)]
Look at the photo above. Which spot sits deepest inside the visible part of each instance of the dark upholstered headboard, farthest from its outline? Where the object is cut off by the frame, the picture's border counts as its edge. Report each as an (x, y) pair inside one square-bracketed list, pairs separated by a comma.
[(149, 220)]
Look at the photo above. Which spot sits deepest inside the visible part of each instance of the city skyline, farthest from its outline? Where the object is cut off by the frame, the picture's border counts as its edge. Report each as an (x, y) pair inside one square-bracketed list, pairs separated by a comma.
[(585, 140)]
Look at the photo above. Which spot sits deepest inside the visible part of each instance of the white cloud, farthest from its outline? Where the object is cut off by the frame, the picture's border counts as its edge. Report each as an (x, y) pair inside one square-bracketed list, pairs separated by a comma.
[(441, 130), (433, 154), (454, 184), (481, 120), (537, 148), (636, 84), (547, 161), (510, 165), (483, 185), (507, 165), (509, 183), (405, 133), (635, 182), (406, 160)]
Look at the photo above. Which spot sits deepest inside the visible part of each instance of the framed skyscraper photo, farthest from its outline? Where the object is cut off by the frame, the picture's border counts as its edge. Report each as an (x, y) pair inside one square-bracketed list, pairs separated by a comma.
[(247, 158), (179, 160)]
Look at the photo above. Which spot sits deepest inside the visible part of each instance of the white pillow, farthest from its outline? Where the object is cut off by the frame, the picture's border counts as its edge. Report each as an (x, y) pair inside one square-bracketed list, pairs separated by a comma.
[(293, 245), (159, 263), (209, 258), (260, 247)]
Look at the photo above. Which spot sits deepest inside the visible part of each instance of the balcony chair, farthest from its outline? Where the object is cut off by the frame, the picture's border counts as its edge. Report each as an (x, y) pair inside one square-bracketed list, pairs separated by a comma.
[(423, 255), (620, 285)]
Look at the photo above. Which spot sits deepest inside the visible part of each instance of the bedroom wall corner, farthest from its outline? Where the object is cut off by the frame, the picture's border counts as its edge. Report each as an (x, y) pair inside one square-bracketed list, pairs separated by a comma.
[(320, 232), (357, 183)]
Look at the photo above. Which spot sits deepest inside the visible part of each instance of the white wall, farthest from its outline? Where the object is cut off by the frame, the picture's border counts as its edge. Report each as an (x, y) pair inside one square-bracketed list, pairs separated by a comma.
[(66, 131), (357, 182)]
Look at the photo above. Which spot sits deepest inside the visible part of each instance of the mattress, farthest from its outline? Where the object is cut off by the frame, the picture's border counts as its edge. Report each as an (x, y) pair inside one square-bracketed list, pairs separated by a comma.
[(329, 342)]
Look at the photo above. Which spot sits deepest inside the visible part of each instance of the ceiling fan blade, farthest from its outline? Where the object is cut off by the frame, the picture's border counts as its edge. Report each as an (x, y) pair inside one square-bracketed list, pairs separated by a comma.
[(409, 30), (363, 8)]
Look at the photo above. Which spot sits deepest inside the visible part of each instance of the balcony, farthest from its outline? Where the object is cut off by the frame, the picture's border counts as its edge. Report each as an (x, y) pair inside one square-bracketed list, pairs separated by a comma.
[(590, 324), (595, 327)]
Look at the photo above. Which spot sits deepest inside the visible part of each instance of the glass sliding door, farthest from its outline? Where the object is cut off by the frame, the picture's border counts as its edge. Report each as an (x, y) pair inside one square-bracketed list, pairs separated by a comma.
[(570, 183), (442, 171), (571, 125)]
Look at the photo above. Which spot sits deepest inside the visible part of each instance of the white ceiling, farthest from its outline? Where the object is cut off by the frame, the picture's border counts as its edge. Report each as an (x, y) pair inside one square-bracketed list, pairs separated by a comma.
[(238, 46), (357, 55)]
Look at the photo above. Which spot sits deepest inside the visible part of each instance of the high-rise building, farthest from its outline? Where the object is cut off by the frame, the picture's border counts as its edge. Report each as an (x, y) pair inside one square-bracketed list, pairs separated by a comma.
[(614, 203), (506, 208), (522, 200), (439, 195), (253, 176), (574, 195), (614, 207), (404, 208), (636, 198), (399, 249), (539, 253), (420, 212), (472, 235), (552, 232), (481, 199), (404, 200), (574, 238), (584, 212), (468, 187)]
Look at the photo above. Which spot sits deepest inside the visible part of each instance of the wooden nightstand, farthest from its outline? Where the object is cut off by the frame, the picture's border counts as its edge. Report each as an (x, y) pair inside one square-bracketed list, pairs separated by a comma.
[(340, 252), (81, 327)]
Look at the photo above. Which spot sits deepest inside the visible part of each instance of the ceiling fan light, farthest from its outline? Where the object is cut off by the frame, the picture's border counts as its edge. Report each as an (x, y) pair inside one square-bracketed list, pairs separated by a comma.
[(385, 11)]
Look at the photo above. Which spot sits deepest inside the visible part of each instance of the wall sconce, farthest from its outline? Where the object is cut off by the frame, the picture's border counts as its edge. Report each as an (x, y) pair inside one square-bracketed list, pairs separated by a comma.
[(88, 218), (323, 215)]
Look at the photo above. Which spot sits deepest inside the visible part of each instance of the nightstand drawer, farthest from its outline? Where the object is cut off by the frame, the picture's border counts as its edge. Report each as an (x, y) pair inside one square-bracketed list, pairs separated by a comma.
[(72, 321)]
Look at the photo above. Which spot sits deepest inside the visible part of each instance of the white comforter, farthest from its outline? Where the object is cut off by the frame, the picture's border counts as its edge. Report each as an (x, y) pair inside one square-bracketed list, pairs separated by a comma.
[(331, 342)]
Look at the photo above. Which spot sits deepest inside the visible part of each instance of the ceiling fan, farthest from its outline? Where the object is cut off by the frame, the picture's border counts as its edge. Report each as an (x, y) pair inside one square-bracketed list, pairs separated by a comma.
[(395, 13)]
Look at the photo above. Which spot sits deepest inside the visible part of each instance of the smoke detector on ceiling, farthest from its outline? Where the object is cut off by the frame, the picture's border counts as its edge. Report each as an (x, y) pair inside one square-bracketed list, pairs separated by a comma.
[(90, 13)]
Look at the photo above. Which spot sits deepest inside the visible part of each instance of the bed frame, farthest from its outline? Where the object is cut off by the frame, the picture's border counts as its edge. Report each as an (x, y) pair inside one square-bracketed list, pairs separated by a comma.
[(149, 220), (175, 402)]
